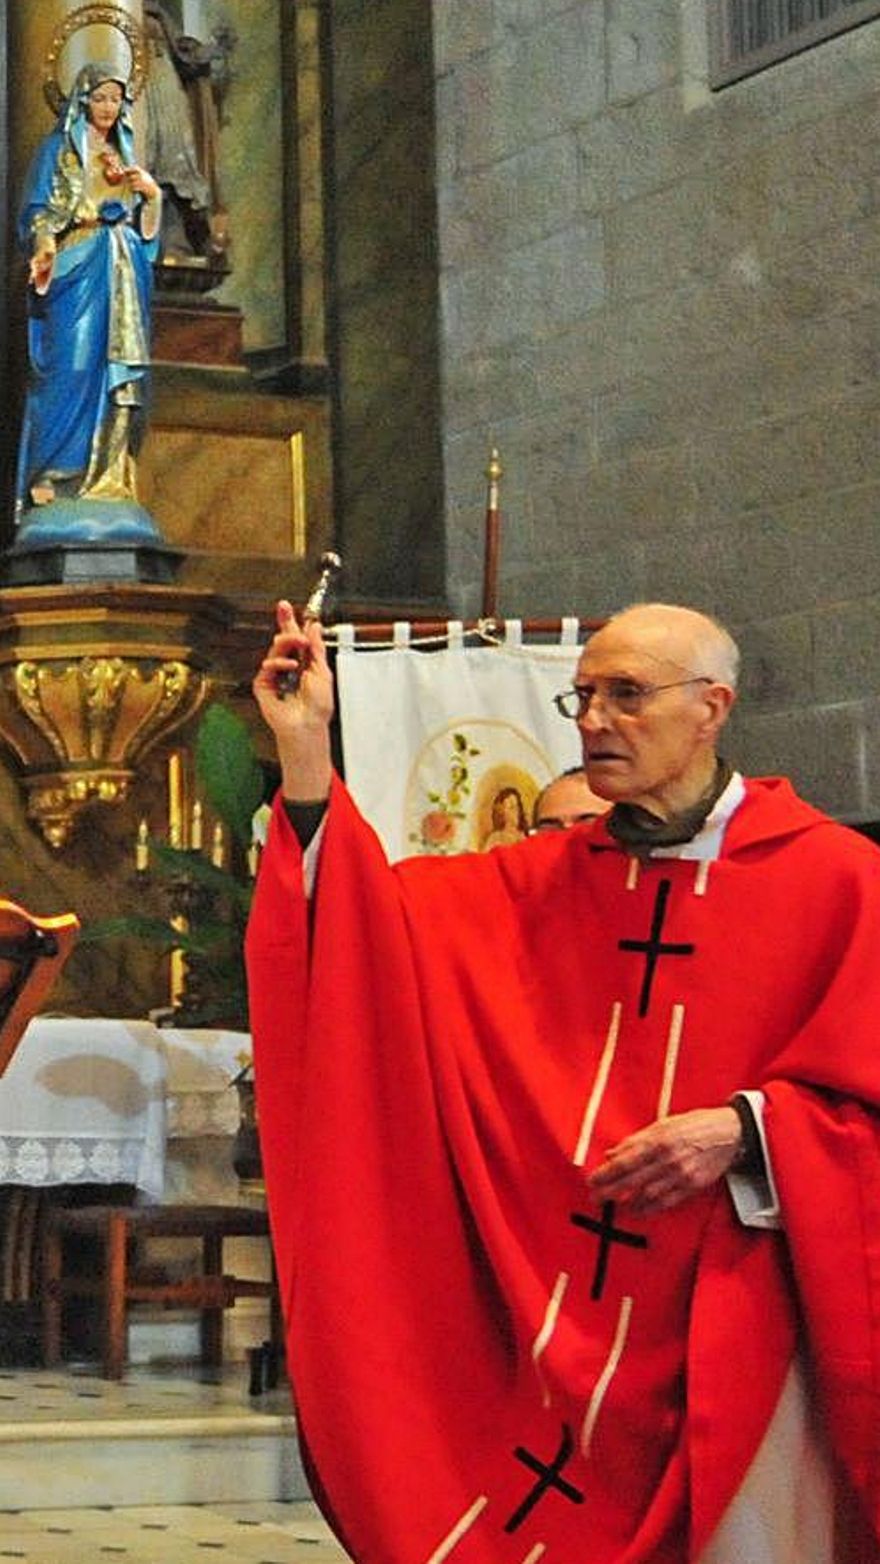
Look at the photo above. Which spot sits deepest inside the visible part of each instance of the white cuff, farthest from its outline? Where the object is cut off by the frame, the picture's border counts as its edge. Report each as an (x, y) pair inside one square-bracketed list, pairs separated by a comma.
[(755, 1197), (311, 856)]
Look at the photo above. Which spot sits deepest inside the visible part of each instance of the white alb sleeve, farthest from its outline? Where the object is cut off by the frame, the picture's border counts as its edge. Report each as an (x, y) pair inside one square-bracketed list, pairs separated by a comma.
[(311, 858), (755, 1196)]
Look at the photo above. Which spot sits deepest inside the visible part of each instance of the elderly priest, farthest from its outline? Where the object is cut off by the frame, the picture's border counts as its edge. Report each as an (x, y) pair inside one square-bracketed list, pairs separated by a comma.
[(572, 1147)]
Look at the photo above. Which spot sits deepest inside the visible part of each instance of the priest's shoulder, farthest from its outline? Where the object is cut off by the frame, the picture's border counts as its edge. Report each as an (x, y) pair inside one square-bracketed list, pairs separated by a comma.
[(773, 814)]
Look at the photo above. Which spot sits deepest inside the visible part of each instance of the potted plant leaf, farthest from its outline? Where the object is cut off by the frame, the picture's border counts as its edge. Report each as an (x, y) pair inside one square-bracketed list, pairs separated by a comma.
[(207, 905)]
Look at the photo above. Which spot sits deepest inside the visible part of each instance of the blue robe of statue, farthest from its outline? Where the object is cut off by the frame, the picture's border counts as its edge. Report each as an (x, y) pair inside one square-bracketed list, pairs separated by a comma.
[(88, 332)]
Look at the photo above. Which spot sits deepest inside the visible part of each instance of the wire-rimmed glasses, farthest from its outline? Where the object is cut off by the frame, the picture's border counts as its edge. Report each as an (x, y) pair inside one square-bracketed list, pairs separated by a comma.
[(624, 697)]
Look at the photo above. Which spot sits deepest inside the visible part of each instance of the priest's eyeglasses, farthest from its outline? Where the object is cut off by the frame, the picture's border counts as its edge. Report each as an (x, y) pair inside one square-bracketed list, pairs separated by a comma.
[(624, 697)]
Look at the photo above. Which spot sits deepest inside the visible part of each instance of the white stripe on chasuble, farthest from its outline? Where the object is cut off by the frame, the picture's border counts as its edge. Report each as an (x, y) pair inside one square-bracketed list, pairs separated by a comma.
[(701, 878), (536, 1553), (632, 873), (607, 1374), (599, 1084), (459, 1530), (671, 1061), (539, 1345)]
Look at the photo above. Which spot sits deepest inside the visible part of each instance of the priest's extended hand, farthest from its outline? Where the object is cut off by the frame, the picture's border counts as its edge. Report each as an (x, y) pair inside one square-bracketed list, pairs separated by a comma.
[(660, 1166)]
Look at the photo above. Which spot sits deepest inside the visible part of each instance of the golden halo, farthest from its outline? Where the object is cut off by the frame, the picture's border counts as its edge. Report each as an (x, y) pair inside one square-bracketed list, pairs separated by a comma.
[(85, 16)]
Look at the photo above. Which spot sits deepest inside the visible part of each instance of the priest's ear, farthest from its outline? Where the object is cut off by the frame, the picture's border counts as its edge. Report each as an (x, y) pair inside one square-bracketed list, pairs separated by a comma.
[(718, 702)]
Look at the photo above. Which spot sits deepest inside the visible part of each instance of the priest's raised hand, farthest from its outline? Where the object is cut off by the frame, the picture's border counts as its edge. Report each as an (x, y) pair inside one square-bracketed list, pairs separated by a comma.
[(294, 691)]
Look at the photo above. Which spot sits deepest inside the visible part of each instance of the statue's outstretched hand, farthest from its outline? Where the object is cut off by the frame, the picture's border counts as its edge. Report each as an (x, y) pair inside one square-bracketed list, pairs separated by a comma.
[(42, 265)]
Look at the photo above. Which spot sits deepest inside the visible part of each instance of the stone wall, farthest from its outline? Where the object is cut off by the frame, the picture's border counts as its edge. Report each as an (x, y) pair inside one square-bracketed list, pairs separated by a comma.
[(384, 315), (662, 304)]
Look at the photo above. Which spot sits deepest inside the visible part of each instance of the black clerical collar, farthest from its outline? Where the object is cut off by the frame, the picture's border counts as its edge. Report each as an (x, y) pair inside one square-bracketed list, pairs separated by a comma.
[(638, 829)]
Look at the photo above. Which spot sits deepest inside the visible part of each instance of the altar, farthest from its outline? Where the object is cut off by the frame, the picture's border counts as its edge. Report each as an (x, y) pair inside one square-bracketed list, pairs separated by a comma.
[(85, 1102), (98, 1101), (105, 1105)]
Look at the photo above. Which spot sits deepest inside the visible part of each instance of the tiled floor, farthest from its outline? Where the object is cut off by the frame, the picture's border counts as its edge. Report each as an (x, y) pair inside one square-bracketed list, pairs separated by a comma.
[(238, 1533), (71, 1393), (183, 1534)]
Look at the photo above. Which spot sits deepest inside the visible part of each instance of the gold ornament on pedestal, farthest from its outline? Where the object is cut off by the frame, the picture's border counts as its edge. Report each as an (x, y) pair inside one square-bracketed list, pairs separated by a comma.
[(97, 717), (89, 686)]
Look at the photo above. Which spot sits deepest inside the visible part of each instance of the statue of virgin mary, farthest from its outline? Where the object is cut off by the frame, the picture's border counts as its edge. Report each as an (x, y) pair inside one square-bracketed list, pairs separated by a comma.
[(89, 225)]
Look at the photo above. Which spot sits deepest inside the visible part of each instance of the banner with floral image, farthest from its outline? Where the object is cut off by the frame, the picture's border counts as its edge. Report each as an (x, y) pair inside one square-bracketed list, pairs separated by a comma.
[(446, 751)]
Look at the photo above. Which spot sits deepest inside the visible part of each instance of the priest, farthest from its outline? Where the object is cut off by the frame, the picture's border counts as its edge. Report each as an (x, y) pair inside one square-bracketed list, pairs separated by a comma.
[(572, 1147)]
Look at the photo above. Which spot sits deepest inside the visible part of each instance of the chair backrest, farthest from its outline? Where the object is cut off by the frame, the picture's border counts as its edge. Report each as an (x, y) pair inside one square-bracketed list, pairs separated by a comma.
[(32, 953)]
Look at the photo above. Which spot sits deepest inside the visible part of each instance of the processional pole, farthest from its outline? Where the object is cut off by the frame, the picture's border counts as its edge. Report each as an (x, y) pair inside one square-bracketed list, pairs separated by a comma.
[(489, 626), (493, 538)]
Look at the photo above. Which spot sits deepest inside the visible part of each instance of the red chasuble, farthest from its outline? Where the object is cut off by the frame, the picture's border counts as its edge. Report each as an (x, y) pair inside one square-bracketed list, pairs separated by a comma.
[(490, 1366)]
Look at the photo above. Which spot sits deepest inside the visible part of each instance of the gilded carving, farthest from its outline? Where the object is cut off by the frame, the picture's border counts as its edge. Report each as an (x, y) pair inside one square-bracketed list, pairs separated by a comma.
[(102, 680), (28, 689), (89, 687), (53, 807)]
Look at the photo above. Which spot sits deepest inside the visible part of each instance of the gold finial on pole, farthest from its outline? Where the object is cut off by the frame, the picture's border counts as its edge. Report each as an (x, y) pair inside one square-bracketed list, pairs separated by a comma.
[(494, 473), (493, 537)]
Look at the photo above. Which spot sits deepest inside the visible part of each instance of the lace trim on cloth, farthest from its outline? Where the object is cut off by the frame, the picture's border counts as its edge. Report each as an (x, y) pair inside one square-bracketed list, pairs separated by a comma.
[(205, 1112), (27, 1159)]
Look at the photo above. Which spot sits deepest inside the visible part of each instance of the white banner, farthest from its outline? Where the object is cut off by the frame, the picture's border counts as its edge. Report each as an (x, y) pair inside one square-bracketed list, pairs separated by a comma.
[(447, 750)]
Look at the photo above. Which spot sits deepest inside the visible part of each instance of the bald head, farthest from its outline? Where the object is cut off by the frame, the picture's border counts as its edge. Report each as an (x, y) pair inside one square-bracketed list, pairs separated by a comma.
[(681, 638), (659, 683)]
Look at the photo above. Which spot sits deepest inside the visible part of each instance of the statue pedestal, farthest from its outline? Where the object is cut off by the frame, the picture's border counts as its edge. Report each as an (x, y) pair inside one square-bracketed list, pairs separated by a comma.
[(81, 541), (94, 677), (76, 566)]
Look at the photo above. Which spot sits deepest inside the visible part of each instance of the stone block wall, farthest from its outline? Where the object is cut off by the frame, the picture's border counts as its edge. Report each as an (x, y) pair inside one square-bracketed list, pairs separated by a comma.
[(383, 291), (663, 305)]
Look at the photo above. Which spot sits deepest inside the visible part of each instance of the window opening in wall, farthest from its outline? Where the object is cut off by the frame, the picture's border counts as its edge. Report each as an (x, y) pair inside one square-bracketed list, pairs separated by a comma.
[(748, 35)]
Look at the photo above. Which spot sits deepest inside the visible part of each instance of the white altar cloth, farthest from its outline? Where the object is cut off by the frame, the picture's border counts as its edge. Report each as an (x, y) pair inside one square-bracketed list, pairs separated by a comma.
[(84, 1101), (202, 1064)]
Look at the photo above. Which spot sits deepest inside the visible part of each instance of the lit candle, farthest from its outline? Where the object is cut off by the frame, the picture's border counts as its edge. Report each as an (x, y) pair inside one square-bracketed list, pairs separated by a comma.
[(195, 829), (217, 846), (176, 977), (253, 858), (177, 963), (142, 849), (175, 800)]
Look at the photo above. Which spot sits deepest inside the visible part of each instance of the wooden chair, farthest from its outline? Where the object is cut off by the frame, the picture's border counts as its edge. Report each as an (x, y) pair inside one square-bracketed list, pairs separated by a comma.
[(32, 953), (117, 1228)]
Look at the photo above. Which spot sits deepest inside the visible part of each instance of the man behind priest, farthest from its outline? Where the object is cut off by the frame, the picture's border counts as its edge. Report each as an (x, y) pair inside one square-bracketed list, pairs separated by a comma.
[(571, 1147), (566, 800)]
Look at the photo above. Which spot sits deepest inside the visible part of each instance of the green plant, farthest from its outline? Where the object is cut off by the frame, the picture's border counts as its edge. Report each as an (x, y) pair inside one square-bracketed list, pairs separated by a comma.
[(207, 906)]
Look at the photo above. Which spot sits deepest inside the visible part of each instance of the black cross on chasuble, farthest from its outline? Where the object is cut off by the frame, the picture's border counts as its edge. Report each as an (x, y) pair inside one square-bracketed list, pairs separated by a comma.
[(653, 947), (607, 1234), (549, 1475)]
